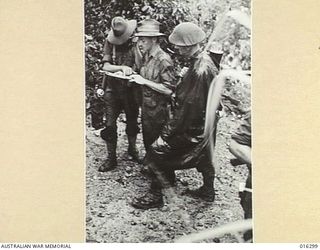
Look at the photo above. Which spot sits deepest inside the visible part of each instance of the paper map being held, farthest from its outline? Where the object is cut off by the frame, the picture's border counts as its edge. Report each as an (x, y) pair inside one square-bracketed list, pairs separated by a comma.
[(120, 75)]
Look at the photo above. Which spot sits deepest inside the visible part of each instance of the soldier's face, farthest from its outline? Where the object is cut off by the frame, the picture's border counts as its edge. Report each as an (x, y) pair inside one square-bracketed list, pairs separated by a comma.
[(185, 50), (145, 44)]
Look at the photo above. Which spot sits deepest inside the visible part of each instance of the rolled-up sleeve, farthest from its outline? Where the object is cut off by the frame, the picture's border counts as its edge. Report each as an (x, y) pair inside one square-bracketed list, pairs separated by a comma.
[(107, 52), (243, 134), (167, 74)]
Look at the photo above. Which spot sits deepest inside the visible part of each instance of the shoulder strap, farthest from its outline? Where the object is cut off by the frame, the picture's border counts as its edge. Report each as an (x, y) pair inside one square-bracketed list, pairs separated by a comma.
[(113, 54)]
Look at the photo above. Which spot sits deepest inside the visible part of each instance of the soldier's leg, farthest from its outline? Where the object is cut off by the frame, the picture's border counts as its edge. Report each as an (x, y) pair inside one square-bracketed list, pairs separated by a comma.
[(205, 167), (206, 191), (246, 203), (153, 197), (146, 132), (147, 138), (164, 151), (131, 109), (97, 112), (152, 124), (109, 134), (162, 179)]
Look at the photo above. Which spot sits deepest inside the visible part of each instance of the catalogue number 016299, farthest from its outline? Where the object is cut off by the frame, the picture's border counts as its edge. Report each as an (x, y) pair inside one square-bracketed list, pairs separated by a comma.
[(309, 246)]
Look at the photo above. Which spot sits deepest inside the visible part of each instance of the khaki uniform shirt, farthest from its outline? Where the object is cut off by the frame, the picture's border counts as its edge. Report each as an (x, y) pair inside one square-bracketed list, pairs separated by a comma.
[(157, 67)]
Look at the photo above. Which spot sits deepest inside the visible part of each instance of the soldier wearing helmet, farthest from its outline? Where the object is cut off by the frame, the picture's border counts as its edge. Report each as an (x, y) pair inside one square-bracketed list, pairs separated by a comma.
[(157, 77), (179, 145), (120, 55)]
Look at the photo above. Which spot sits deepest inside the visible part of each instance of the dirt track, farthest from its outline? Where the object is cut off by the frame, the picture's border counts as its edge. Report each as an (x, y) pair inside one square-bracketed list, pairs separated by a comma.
[(110, 218)]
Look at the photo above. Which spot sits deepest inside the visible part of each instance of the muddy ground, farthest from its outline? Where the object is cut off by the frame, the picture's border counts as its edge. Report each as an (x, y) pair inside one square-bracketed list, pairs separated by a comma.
[(110, 218)]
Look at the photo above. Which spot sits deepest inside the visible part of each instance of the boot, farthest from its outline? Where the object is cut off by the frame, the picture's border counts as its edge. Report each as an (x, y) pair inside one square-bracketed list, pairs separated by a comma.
[(206, 191), (133, 151), (152, 199), (111, 161)]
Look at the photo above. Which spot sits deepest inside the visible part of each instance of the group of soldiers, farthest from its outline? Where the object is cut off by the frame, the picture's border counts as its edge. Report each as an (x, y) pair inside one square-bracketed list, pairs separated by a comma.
[(173, 104)]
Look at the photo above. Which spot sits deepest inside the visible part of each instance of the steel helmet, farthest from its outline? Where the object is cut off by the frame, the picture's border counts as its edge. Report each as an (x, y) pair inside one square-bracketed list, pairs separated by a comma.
[(187, 34)]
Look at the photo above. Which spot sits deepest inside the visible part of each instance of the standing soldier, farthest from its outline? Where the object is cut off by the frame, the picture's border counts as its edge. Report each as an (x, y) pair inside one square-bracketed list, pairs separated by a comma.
[(157, 75), (180, 144), (119, 55)]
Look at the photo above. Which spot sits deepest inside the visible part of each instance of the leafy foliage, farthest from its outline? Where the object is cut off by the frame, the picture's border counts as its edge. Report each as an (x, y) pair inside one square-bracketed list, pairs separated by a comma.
[(98, 16), (99, 13)]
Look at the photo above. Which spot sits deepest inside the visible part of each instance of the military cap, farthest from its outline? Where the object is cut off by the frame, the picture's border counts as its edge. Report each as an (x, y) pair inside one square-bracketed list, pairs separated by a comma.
[(121, 30), (149, 28), (187, 34)]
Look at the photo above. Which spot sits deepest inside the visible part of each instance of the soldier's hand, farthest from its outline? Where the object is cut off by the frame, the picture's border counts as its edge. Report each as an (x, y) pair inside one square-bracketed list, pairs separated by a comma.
[(100, 92), (138, 79), (126, 70), (183, 71)]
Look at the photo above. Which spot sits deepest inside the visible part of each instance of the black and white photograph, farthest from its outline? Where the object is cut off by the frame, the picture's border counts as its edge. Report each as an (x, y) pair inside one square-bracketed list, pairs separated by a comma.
[(168, 121)]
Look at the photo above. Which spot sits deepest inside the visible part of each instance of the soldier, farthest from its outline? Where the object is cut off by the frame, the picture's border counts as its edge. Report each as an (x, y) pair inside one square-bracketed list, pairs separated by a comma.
[(240, 147), (216, 54), (119, 55), (179, 145), (157, 75)]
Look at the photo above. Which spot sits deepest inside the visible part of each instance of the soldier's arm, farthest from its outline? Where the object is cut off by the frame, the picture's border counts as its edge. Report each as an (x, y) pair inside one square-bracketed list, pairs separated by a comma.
[(168, 76), (240, 145), (242, 152), (107, 61), (165, 87), (115, 68), (161, 88)]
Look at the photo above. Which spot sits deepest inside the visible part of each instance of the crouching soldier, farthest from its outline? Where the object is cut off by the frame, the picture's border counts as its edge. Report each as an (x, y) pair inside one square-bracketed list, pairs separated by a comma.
[(240, 147), (120, 55), (179, 145)]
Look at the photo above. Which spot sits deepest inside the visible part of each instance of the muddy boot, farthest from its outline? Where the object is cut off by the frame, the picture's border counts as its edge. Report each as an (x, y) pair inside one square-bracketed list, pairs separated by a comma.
[(151, 199), (206, 192), (111, 161), (133, 151)]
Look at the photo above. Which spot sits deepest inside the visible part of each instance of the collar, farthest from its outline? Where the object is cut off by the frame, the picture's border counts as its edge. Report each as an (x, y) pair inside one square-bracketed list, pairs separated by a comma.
[(156, 50)]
